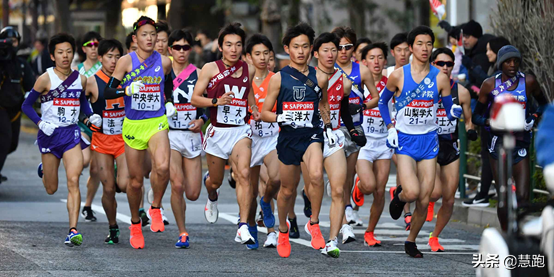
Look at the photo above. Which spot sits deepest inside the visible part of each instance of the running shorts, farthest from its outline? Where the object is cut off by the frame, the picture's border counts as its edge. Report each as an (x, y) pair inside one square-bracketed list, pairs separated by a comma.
[(375, 149), (418, 147), (137, 133), (448, 152), (520, 152), (350, 147), (62, 140), (291, 146), (187, 143), (112, 145), (220, 141), (261, 147), (330, 150)]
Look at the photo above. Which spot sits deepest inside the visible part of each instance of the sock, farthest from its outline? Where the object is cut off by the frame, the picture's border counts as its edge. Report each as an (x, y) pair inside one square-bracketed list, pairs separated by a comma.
[(213, 200), (313, 223), (241, 224), (141, 210), (87, 208), (292, 219), (114, 227), (72, 228), (283, 232), (152, 207), (138, 222), (348, 206)]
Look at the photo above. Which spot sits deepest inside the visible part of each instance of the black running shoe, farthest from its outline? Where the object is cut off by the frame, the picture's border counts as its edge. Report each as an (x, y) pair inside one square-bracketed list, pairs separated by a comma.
[(88, 214), (396, 206), (307, 205), (476, 202), (3, 178), (294, 233), (143, 217), (411, 249), (230, 179), (113, 236)]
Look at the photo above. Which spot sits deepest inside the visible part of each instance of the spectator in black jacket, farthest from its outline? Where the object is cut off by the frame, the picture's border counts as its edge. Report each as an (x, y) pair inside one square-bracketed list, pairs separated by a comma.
[(475, 58)]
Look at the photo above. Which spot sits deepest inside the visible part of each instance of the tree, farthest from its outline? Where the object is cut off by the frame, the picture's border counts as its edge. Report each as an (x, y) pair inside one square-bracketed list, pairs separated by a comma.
[(62, 16), (271, 22)]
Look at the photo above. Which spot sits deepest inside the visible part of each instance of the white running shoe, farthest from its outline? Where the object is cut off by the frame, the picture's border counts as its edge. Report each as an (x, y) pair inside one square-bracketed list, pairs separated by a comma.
[(347, 234), (349, 214), (164, 218), (331, 249), (271, 241), (211, 213), (150, 196), (243, 235), (357, 218)]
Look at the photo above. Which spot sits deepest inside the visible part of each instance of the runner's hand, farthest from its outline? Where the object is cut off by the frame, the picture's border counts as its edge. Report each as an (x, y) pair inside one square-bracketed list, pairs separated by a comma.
[(530, 122), (133, 88), (392, 138), (95, 120), (256, 115), (358, 137), (225, 99), (330, 136), (355, 108), (170, 110), (456, 111), (286, 116), (47, 128), (195, 126), (472, 135)]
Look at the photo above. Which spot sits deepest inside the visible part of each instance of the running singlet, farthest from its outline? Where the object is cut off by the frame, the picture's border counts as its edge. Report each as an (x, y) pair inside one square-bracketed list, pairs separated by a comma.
[(112, 110), (373, 124), (182, 96), (235, 113), (301, 100), (260, 128), (419, 116), (149, 101), (520, 95), (448, 129), (61, 109), (357, 94), (335, 93), (95, 68)]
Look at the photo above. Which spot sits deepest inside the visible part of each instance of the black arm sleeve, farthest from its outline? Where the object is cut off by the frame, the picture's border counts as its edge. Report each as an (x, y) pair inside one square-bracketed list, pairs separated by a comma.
[(345, 114), (168, 88), (111, 91), (478, 118), (199, 112)]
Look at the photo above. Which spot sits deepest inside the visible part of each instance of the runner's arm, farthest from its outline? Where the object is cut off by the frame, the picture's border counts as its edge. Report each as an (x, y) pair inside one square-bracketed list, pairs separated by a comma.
[(273, 89), (39, 87), (465, 102), (386, 96), (91, 90), (446, 97), (83, 101), (198, 100), (344, 110), (368, 81), (168, 88), (478, 117), (536, 92), (324, 110)]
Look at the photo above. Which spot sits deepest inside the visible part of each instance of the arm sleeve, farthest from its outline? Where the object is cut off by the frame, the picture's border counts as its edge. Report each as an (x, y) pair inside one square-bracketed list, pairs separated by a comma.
[(111, 91), (85, 105), (200, 114), (345, 114), (27, 106), (478, 118), (386, 96), (447, 102), (168, 88)]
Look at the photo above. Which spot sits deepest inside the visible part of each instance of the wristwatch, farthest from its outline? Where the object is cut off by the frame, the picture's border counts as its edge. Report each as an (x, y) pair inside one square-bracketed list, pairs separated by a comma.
[(214, 102)]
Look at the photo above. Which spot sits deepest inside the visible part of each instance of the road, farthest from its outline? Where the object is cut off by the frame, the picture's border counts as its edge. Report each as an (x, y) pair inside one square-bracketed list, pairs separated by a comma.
[(33, 226)]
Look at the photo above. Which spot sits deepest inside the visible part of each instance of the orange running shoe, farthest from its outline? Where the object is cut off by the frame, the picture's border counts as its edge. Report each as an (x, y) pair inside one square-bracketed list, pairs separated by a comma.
[(391, 192), (430, 211), (283, 245), (318, 242), (136, 239), (156, 221), (408, 220), (369, 239), (357, 195), (434, 243)]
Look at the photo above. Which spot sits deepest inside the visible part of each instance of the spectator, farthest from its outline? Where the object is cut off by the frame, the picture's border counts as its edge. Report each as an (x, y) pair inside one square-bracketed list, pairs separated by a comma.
[(209, 47), (475, 58), (42, 60), (492, 50)]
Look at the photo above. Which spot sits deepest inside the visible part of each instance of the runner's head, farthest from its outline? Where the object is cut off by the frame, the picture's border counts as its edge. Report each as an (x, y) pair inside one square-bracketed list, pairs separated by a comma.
[(258, 48), (62, 49), (399, 49), (231, 41), (130, 44), (360, 44), (109, 51), (163, 34), (180, 45), (346, 46), (374, 56), (326, 50), (90, 45), (420, 41), (271, 61), (508, 60), (494, 45), (298, 43), (443, 59), (145, 34)]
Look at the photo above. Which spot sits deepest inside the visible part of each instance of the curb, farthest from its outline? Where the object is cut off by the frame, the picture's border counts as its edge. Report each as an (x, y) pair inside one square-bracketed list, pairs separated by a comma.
[(476, 216)]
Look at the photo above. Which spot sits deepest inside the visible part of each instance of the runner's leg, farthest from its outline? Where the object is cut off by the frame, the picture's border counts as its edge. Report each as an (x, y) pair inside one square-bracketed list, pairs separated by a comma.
[(135, 159), (177, 178), (73, 163), (106, 174), (290, 177), (336, 172), (158, 147), (240, 159), (381, 168), (314, 163), (50, 165), (426, 174), (449, 183), (123, 178)]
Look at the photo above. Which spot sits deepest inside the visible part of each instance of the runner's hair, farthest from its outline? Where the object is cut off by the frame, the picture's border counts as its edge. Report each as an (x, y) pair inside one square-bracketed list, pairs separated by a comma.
[(380, 45), (442, 50), (258, 39), (60, 38), (420, 30), (361, 41), (108, 45), (231, 29), (178, 35), (162, 26), (398, 39), (301, 28), (141, 19), (90, 36), (129, 40), (326, 38), (345, 32)]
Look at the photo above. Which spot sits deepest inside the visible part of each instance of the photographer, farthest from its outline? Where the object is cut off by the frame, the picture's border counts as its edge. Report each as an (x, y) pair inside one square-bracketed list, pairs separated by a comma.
[(16, 78)]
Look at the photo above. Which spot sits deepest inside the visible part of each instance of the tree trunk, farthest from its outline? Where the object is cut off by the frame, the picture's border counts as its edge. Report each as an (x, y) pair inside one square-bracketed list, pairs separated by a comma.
[(356, 12), (175, 18), (5, 13), (33, 6), (161, 10), (113, 21), (271, 22), (62, 15), (43, 5), (294, 12)]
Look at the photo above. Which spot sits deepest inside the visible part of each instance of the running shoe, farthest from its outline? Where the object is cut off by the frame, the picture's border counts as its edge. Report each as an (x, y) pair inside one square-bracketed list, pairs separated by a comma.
[(357, 218), (183, 241), (347, 234), (430, 211), (396, 206), (348, 213), (3, 178), (476, 202), (331, 249), (283, 245), (369, 239), (260, 219), (271, 240), (231, 180), (411, 249), (155, 216), (150, 196), (294, 233), (357, 195), (254, 233), (74, 238), (269, 218), (391, 192), (434, 244), (39, 170), (113, 236), (315, 233), (88, 214), (136, 238), (210, 211), (243, 235), (307, 205), (143, 217), (408, 220), (166, 222)]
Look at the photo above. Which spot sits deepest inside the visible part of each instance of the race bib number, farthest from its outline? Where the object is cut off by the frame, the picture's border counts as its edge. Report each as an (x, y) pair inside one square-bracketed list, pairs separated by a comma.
[(147, 99), (419, 112), (185, 114), (303, 114), (446, 126), (264, 129), (67, 109), (373, 124), (356, 100), (334, 111), (112, 122), (232, 114)]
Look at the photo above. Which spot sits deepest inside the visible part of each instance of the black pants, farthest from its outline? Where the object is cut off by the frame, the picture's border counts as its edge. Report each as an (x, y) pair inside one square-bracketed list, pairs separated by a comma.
[(10, 125), (486, 169)]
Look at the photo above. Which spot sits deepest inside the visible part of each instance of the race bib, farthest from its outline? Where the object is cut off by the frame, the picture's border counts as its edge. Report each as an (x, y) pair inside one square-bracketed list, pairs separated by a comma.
[(446, 126), (303, 114), (112, 122), (355, 100), (373, 124), (185, 114), (334, 111), (419, 112), (264, 129), (233, 113), (147, 99), (67, 109)]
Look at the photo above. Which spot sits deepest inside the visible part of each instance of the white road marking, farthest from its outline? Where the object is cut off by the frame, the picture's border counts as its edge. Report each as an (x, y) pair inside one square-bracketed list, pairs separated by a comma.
[(98, 209)]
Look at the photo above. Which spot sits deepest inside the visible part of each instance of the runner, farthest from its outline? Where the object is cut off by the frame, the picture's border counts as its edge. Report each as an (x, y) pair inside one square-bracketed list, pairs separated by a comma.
[(107, 142), (522, 87), (227, 82), (373, 164), (448, 163), (416, 89), (61, 95), (162, 41), (130, 44), (145, 126), (271, 62), (360, 77), (361, 43), (300, 93)]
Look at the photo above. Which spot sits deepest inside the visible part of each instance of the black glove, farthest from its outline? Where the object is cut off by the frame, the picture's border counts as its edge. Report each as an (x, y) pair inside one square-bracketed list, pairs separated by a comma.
[(358, 137), (472, 135), (355, 108), (445, 25), (467, 62)]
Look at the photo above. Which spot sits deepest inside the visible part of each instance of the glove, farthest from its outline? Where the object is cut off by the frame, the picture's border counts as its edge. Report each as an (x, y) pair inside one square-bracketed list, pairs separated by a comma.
[(170, 110), (133, 88), (358, 138), (467, 62), (472, 135), (355, 108), (47, 128), (456, 111), (286, 116), (392, 138), (94, 123), (530, 122), (329, 135), (445, 25)]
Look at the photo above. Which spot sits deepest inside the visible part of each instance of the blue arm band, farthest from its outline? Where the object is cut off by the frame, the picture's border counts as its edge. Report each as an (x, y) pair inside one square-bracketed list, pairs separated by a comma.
[(85, 105), (27, 106), (447, 102), (383, 105)]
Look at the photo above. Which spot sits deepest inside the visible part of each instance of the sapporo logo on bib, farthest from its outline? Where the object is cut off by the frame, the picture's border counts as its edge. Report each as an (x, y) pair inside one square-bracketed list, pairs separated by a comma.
[(303, 113), (68, 109)]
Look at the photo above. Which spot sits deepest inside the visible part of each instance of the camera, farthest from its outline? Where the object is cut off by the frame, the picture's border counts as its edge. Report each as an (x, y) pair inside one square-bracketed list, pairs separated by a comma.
[(7, 51)]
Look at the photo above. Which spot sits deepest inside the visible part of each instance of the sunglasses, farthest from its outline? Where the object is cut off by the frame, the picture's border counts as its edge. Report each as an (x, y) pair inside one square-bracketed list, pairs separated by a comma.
[(144, 22), (91, 44), (441, 64), (185, 47), (346, 47)]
